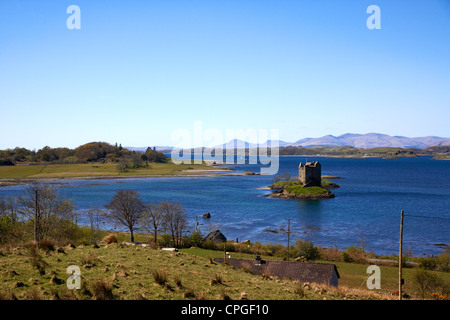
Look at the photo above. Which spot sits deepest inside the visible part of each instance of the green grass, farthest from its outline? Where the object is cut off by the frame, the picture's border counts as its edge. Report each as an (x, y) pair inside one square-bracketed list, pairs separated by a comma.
[(284, 184), (299, 190), (441, 157), (93, 170), (205, 253), (291, 183), (189, 274), (352, 275), (130, 272)]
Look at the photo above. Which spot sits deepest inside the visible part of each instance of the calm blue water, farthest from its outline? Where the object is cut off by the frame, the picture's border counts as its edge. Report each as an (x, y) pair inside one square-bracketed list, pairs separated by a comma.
[(364, 213)]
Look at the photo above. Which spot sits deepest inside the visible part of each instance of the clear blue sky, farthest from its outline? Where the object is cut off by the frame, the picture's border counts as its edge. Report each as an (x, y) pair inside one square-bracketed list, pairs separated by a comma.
[(137, 71)]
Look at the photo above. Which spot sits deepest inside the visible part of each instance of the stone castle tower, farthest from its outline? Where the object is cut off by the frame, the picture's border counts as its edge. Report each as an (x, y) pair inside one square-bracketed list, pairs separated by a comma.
[(309, 174)]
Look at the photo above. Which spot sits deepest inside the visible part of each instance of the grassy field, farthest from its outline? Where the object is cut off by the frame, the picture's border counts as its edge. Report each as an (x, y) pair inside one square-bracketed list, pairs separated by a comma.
[(352, 275), (129, 272), (56, 171), (119, 271)]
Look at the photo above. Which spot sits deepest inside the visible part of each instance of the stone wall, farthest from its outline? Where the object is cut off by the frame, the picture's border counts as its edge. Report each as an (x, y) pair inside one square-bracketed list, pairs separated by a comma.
[(310, 174)]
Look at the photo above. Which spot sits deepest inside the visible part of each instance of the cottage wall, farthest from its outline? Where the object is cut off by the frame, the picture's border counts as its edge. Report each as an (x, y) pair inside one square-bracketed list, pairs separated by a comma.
[(334, 280)]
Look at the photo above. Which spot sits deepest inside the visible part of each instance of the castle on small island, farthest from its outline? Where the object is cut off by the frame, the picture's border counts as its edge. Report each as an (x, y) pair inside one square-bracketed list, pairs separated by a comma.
[(309, 174), (309, 185)]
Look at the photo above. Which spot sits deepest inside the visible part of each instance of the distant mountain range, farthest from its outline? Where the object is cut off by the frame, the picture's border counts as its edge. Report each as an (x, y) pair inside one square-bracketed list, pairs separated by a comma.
[(365, 141), (372, 140)]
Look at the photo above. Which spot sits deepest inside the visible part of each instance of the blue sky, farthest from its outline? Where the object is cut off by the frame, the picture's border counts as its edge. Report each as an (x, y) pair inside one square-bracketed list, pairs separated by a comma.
[(137, 71)]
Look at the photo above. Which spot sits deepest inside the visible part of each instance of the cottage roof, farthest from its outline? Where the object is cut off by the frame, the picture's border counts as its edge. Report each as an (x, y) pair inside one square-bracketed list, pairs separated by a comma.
[(216, 236), (321, 273)]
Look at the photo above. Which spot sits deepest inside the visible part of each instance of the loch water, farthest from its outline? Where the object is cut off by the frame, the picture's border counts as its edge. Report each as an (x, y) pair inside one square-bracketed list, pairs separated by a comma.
[(364, 213)]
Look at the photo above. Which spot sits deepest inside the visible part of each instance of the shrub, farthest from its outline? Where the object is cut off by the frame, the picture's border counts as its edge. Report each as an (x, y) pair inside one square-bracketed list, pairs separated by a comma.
[(440, 263), (275, 249), (7, 295), (102, 290), (89, 259), (224, 296), (353, 254), (110, 238), (230, 247), (195, 239), (178, 282), (68, 295), (216, 280), (266, 274), (444, 262), (47, 245), (34, 294), (345, 256), (64, 294), (84, 235), (258, 248), (36, 259), (209, 245), (165, 240), (66, 230), (306, 249), (427, 283), (160, 277), (437, 296), (330, 254), (6, 226), (300, 290), (189, 294), (246, 267)]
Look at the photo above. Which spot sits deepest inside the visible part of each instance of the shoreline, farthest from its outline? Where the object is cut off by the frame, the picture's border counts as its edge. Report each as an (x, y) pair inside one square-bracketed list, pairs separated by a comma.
[(434, 157), (5, 182)]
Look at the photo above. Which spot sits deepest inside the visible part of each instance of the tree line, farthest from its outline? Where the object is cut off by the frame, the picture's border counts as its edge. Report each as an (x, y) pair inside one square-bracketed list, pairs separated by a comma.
[(89, 152), (41, 213), (128, 210), (349, 151)]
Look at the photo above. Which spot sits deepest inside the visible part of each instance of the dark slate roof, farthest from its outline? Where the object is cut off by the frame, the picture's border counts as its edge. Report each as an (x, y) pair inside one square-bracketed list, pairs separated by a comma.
[(320, 273), (216, 236)]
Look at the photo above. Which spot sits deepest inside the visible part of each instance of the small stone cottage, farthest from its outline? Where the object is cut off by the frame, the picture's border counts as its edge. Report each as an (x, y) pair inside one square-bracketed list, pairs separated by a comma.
[(320, 273), (216, 237)]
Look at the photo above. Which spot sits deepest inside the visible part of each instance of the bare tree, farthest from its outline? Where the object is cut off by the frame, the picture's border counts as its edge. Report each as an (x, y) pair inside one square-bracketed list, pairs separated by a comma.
[(127, 209), (8, 207), (285, 176), (8, 219), (153, 219), (94, 215), (43, 204), (174, 220)]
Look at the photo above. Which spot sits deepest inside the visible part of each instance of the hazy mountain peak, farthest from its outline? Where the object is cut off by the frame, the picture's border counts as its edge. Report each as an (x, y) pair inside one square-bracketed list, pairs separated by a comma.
[(368, 140), (372, 140)]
